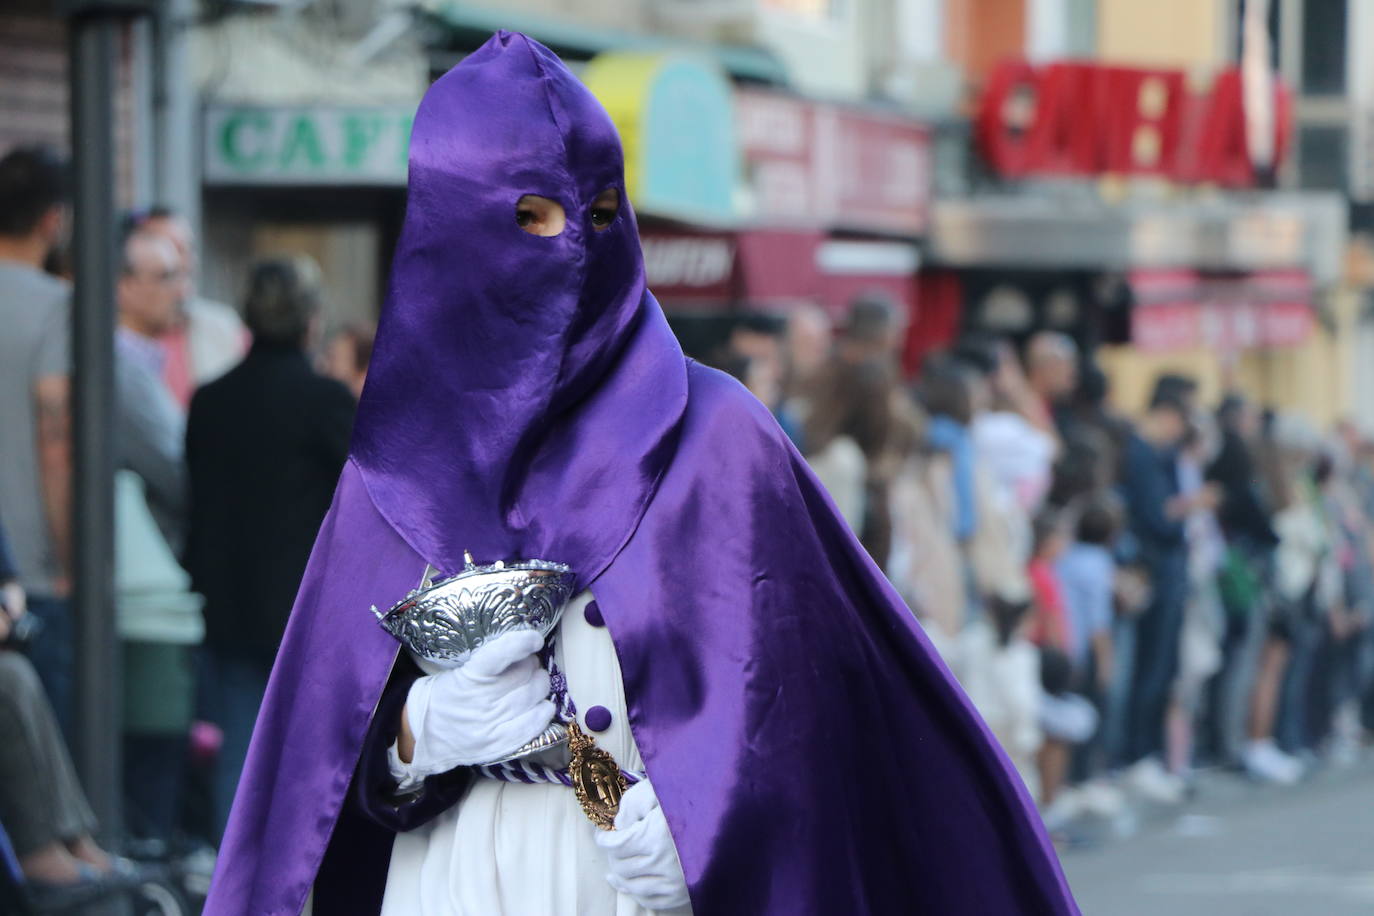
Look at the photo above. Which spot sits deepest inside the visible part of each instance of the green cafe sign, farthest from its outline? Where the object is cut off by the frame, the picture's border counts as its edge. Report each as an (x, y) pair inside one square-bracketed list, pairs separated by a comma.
[(321, 146)]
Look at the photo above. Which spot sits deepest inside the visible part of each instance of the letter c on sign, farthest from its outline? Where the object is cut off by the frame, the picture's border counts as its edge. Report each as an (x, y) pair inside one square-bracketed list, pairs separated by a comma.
[(243, 139)]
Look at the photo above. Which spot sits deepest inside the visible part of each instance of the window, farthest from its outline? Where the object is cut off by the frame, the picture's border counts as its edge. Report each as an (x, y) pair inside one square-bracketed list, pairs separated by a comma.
[(1322, 158), (1323, 47)]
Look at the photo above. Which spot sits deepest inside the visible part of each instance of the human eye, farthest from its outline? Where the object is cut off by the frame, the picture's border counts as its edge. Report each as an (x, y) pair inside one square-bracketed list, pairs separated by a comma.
[(540, 216), (605, 208)]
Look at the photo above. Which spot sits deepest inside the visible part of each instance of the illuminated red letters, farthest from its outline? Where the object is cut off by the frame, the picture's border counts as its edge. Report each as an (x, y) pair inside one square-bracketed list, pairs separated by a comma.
[(1075, 118)]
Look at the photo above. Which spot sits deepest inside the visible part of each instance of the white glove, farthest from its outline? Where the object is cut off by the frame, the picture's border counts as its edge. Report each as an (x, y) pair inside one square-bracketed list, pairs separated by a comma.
[(640, 852), (480, 712)]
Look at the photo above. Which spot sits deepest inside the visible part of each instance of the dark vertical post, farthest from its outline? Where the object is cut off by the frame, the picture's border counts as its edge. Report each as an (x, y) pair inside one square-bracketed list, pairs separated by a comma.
[(94, 36)]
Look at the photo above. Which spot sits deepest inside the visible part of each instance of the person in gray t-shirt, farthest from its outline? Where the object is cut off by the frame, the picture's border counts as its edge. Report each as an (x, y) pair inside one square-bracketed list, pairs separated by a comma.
[(35, 445)]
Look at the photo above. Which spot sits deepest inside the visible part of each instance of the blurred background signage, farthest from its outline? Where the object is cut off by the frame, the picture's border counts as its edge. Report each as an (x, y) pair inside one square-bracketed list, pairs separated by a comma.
[(832, 165), (1074, 118), (307, 146)]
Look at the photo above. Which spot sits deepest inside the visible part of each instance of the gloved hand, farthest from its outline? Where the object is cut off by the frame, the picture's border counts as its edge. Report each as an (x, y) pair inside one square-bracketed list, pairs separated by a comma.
[(640, 852), (482, 711)]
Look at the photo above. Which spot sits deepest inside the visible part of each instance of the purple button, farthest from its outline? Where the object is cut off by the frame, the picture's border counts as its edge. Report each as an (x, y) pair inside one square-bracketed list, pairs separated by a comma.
[(598, 718), (593, 614)]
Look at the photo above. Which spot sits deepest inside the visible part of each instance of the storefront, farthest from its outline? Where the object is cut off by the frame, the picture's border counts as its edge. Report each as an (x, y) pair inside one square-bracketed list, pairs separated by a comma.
[(747, 198), (319, 180), (1120, 207), (753, 199)]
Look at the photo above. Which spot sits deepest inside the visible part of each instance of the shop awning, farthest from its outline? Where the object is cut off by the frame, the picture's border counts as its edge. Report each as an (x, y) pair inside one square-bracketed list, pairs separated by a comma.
[(702, 271), (570, 39), (1257, 231), (1185, 310)]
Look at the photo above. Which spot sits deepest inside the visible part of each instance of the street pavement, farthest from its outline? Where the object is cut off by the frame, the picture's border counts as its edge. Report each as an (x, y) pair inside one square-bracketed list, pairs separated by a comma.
[(1241, 849)]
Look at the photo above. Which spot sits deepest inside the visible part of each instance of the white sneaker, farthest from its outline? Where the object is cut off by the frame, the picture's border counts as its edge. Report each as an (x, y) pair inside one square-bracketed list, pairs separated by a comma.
[(1102, 799), (1067, 807), (1153, 782), (1264, 761)]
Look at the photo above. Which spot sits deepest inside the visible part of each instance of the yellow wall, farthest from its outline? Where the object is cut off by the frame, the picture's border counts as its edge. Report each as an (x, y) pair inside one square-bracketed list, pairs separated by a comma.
[(1314, 378), (1162, 33), (1133, 374)]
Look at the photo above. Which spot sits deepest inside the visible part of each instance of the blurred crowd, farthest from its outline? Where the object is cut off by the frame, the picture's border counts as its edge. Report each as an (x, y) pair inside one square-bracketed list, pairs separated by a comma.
[(231, 427), (1125, 598)]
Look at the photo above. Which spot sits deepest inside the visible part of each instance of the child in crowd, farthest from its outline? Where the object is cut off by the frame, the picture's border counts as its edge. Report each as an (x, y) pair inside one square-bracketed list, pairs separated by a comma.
[(1065, 717)]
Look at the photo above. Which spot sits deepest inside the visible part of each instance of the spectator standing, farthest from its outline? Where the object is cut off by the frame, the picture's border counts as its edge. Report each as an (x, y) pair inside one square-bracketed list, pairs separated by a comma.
[(1245, 518), (151, 431), (947, 392), (35, 416), (1087, 573), (1282, 451), (809, 340), (159, 618), (1052, 375), (925, 563), (265, 445), (1336, 700), (1156, 512), (1200, 645), (1012, 445), (207, 338), (1308, 579), (848, 428)]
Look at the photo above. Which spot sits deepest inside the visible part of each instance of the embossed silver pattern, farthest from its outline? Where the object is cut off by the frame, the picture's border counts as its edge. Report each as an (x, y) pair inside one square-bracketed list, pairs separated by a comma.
[(444, 622)]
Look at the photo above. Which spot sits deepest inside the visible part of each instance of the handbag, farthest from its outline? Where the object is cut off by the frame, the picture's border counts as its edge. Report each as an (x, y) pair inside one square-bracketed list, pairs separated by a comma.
[(1238, 583)]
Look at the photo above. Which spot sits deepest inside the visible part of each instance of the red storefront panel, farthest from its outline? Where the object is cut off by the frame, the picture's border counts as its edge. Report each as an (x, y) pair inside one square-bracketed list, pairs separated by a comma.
[(1175, 310)]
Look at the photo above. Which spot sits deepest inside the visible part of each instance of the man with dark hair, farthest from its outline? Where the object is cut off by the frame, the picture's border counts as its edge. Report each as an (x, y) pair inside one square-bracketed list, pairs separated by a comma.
[(35, 433), (758, 338), (1176, 386), (1156, 512), (265, 444), (872, 329)]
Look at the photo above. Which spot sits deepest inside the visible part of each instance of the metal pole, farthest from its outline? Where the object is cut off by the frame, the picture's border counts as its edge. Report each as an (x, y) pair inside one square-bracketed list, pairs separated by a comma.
[(94, 47), (174, 112)]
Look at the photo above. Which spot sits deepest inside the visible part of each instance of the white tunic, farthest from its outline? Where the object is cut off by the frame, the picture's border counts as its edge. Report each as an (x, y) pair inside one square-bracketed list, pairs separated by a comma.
[(516, 849)]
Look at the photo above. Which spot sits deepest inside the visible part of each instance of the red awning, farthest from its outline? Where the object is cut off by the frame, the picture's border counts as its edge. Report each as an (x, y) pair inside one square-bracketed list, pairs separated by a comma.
[(1177, 309), (691, 271)]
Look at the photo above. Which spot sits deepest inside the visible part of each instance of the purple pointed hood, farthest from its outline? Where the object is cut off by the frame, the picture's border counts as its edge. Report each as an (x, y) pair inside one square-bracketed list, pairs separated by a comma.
[(510, 382)]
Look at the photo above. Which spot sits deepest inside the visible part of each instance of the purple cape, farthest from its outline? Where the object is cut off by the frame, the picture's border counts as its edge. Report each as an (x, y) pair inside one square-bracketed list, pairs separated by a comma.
[(811, 752)]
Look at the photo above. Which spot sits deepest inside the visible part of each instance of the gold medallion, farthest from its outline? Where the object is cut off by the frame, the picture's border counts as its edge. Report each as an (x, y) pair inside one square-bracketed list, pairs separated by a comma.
[(596, 778)]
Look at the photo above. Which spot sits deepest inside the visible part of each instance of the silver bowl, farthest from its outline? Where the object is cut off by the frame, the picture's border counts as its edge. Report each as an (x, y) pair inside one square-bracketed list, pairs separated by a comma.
[(444, 622)]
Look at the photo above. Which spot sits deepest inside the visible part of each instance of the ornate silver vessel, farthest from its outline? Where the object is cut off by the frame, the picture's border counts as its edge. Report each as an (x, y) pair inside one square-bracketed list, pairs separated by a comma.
[(444, 622)]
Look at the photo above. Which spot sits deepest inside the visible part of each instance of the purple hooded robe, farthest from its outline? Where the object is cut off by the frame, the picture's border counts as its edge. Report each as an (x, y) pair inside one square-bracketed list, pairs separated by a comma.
[(527, 399)]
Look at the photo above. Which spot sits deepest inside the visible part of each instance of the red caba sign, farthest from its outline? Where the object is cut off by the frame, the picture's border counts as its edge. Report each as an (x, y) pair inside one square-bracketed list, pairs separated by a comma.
[(1073, 118)]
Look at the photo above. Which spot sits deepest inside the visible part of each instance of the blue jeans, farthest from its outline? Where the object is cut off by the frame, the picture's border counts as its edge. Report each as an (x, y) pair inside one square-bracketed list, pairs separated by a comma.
[(53, 653), (1157, 634), (232, 691), (1117, 704)]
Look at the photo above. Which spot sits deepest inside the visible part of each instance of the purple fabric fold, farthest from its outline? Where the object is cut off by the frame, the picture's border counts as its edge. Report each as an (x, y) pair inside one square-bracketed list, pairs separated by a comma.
[(810, 750)]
